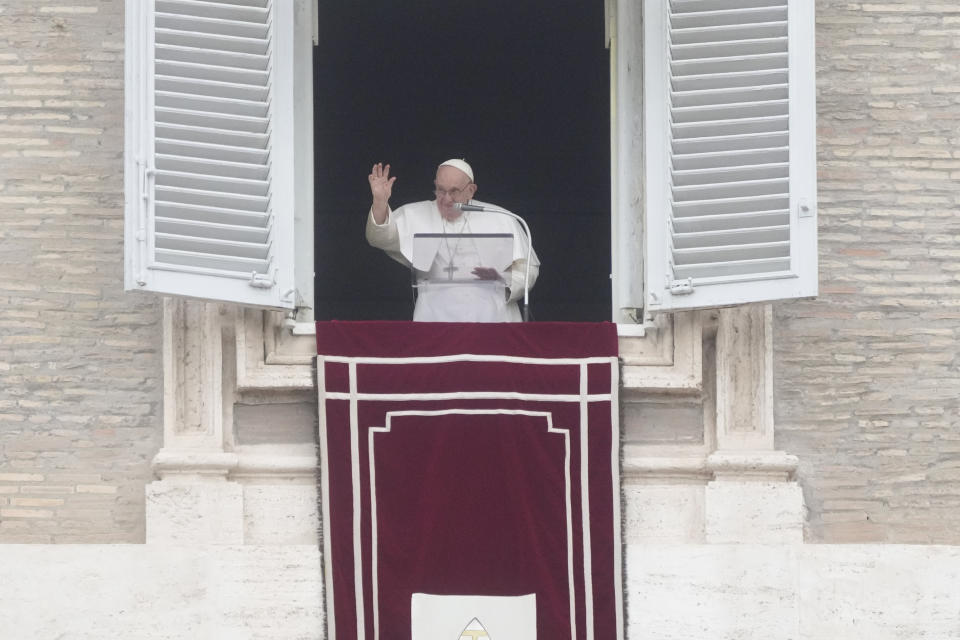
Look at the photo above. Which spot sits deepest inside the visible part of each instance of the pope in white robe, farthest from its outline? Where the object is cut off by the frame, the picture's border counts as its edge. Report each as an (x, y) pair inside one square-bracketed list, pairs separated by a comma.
[(469, 266)]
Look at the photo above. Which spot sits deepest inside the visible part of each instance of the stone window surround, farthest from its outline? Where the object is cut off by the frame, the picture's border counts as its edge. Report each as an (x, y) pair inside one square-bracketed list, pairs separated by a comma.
[(729, 484)]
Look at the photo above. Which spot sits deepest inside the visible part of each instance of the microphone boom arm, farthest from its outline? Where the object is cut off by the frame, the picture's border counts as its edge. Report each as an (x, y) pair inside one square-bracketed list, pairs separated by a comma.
[(526, 229)]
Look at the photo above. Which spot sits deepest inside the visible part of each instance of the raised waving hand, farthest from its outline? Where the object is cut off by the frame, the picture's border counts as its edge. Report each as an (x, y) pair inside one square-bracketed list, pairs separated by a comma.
[(381, 187)]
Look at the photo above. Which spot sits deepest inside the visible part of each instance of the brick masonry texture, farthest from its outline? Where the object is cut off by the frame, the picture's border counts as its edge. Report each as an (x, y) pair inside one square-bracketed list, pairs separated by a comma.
[(867, 381), (80, 366), (866, 376)]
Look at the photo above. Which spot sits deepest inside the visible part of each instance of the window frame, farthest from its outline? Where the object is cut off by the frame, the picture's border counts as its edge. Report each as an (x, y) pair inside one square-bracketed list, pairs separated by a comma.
[(638, 148)]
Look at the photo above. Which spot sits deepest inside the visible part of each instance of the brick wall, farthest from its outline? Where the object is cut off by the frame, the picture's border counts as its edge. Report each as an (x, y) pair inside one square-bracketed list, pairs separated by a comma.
[(867, 380), (79, 359)]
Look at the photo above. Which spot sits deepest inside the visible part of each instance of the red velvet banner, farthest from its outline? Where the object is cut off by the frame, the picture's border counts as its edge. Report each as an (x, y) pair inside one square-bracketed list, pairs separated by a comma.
[(470, 459)]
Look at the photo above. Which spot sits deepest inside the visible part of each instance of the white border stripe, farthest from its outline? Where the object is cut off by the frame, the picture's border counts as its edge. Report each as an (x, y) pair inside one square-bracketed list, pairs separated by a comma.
[(469, 357), (355, 473), (470, 395), (330, 618), (568, 496), (585, 501), (374, 562), (571, 585)]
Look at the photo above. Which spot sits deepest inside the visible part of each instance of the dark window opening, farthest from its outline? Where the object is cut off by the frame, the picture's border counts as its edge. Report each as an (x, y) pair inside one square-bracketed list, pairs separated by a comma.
[(519, 89)]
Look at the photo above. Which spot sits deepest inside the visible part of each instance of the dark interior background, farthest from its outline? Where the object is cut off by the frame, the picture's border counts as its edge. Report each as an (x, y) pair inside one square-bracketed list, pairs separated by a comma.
[(520, 89)]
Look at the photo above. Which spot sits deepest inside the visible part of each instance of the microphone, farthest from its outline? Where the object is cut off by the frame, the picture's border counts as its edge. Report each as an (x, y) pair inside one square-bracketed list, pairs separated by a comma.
[(526, 273)]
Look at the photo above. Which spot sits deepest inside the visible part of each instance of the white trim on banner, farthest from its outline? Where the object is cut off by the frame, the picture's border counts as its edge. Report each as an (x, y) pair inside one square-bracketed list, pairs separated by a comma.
[(568, 495), (583, 398), (585, 498)]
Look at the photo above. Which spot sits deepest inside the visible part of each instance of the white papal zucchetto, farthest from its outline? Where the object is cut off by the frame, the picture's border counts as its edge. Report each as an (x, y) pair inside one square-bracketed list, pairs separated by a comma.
[(459, 164)]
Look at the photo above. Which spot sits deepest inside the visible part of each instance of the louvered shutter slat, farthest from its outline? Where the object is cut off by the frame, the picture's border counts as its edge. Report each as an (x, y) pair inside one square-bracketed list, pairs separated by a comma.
[(173, 194), (224, 138), (214, 42), (759, 219), (226, 122), (212, 246), (697, 145), (720, 272), (729, 135), (218, 215), (691, 161), (711, 175), (728, 35), (707, 53), (189, 149), (719, 191), (223, 36), (224, 106), (729, 237), (197, 229), (212, 89), (705, 253), (214, 184), (729, 64), (204, 166), (705, 6), (745, 234), (202, 262), (729, 206), (731, 80), (697, 95), (175, 53), (251, 11), (213, 26), (711, 113), (215, 73), (710, 18)]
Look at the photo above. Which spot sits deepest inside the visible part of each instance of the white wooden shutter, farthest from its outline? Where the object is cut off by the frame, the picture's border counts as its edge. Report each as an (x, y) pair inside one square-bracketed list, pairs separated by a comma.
[(209, 149), (730, 152)]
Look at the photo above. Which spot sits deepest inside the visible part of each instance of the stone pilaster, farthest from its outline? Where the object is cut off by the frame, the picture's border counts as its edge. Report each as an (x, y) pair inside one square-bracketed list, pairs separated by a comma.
[(753, 496), (193, 500)]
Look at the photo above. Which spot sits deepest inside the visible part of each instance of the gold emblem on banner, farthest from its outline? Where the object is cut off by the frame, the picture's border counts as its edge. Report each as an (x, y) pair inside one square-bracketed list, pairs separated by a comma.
[(474, 631)]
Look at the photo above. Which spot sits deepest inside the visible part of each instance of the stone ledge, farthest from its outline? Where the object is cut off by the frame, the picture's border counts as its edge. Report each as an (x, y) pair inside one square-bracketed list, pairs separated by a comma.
[(759, 465)]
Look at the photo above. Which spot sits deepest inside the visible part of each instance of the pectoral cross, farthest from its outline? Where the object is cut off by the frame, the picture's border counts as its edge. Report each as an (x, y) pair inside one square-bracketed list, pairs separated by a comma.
[(450, 269)]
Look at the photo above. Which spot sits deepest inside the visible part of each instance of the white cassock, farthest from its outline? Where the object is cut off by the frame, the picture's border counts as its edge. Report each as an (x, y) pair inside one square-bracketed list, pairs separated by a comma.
[(441, 297)]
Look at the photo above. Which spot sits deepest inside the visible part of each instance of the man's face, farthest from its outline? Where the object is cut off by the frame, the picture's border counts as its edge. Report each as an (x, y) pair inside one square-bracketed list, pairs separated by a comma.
[(450, 186)]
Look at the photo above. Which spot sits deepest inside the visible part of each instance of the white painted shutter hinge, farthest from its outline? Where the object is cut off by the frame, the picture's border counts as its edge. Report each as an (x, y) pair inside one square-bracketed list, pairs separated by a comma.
[(262, 281), (681, 287), (144, 176)]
